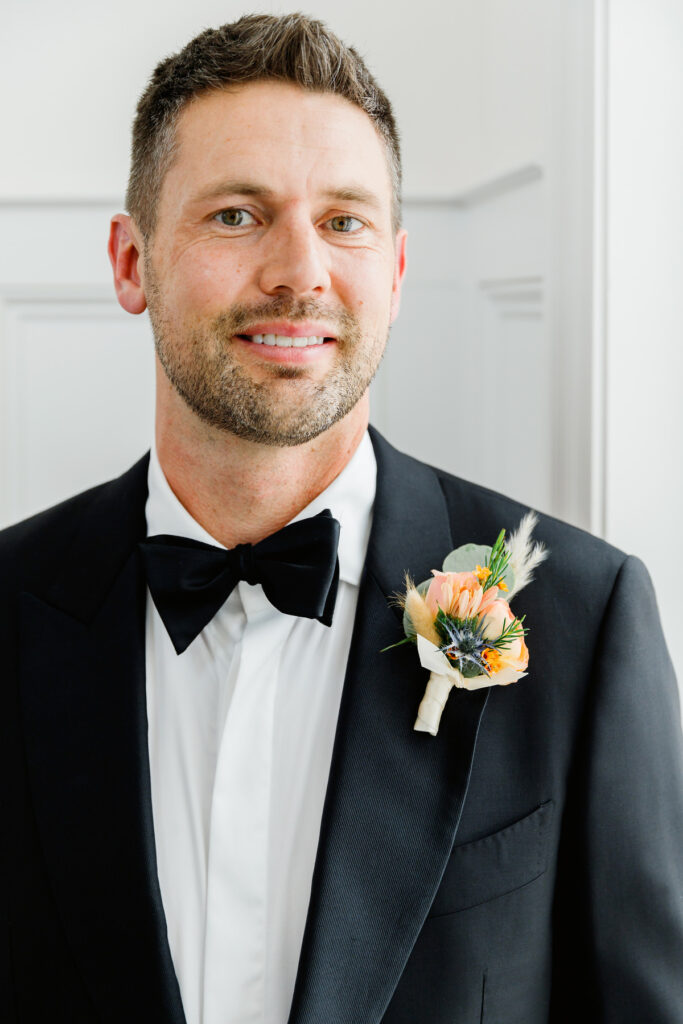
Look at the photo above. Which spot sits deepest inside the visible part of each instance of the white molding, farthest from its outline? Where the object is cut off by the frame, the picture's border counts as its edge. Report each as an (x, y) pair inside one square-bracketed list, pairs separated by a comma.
[(44, 292), (570, 211), (599, 369), (479, 192), (21, 304), (516, 298), (483, 191), (499, 185), (8, 202)]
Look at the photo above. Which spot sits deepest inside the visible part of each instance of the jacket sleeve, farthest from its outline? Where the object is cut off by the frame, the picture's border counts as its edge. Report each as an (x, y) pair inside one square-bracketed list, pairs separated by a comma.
[(619, 919)]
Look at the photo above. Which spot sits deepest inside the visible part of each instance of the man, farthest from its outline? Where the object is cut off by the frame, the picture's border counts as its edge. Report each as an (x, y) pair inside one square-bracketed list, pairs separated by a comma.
[(218, 809)]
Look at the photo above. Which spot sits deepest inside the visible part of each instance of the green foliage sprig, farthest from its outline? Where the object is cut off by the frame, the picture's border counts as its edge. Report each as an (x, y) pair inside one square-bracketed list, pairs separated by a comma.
[(498, 561)]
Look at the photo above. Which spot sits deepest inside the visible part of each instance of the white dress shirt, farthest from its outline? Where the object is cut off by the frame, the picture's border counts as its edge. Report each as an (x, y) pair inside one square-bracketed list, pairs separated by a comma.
[(241, 727)]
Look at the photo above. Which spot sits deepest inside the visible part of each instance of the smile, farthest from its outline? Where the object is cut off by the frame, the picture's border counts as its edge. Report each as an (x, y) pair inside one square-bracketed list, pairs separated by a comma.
[(282, 340)]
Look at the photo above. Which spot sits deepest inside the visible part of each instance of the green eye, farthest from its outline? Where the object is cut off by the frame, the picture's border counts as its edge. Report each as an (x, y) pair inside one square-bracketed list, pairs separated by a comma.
[(235, 217), (345, 224)]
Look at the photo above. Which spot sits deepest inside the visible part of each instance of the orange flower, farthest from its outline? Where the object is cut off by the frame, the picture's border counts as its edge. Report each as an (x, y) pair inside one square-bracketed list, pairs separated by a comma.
[(459, 594), (493, 659)]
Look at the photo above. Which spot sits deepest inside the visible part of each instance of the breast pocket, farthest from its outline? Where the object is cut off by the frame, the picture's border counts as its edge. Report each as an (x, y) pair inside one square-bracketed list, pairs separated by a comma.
[(490, 867)]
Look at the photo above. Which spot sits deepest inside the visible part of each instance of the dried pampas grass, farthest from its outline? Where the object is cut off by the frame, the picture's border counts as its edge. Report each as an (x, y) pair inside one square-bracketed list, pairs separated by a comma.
[(419, 614), (524, 556)]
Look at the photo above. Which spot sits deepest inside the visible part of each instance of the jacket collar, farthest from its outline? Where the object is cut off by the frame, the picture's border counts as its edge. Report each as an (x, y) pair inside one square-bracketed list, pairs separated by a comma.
[(109, 526), (85, 722)]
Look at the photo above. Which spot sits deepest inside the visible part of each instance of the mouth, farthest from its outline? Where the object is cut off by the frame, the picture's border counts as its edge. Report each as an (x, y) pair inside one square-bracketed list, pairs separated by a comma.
[(289, 342), (289, 349), (285, 340), (288, 333)]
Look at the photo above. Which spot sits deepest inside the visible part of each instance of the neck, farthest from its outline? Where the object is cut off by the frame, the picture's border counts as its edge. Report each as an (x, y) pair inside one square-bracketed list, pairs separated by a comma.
[(241, 491)]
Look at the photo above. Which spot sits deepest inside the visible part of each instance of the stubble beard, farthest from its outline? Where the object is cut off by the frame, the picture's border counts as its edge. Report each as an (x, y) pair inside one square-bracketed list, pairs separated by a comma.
[(201, 366)]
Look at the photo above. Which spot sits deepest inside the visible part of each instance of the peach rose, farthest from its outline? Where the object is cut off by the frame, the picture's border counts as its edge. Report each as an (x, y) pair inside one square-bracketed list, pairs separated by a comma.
[(497, 616), (458, 594)]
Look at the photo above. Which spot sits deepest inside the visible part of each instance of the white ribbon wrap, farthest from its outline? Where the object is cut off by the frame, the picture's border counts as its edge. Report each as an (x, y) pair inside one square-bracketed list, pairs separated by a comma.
[(433, 703), (443, 676)]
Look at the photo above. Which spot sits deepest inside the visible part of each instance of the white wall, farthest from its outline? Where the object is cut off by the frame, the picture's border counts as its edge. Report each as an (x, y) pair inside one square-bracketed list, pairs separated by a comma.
[(644, 294), (479, 91), (477, 94), (464, 78)]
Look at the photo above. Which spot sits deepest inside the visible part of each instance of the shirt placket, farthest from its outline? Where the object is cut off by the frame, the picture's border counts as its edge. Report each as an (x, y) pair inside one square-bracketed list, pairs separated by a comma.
[(236, 908)]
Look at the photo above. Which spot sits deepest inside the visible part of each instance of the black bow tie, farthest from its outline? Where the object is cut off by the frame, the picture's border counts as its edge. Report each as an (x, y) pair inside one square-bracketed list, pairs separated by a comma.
[(297, 568)]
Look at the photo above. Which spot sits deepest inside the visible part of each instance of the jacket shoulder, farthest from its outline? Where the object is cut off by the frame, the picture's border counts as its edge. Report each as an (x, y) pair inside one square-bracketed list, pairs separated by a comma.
[(477, 514), (558, 535), (29, 548)]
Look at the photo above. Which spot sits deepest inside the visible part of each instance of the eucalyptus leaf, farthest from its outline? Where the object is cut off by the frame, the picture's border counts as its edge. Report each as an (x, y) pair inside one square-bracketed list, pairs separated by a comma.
[(469, 556), (509, 581), (466, 558)]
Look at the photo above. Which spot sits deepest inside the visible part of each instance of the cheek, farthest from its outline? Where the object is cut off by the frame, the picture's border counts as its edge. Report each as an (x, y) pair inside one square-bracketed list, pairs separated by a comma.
[(209, 281), (364, 285)]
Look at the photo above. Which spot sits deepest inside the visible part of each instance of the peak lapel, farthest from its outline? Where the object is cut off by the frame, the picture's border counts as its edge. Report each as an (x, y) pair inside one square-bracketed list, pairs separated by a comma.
[(83, 698), (394, 796)]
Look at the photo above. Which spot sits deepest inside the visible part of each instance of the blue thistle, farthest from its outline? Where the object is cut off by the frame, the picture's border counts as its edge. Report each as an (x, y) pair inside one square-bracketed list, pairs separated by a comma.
[(464, 644)]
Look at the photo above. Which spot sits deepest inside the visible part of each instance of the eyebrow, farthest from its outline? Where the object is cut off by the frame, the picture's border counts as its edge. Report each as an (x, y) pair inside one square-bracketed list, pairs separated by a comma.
[(346, 193), (222, 188)]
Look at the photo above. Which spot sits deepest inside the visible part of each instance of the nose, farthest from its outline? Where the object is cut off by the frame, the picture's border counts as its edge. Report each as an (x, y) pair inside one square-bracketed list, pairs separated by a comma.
[(295, 261)]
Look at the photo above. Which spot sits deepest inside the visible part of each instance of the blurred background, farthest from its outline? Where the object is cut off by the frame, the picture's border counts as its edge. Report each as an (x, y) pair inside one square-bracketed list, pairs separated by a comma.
[(543, 158)]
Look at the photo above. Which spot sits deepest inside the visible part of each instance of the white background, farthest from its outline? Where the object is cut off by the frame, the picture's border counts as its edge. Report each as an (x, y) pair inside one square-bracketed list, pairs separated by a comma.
[(543, 171)]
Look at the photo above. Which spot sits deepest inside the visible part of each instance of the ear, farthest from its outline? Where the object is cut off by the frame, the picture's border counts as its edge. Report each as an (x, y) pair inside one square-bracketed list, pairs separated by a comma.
[(399, 272), (125, 252)]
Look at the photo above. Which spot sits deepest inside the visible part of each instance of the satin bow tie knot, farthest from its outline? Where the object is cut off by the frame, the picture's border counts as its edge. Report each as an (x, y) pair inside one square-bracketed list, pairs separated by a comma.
[(246, 569), (297, 567)]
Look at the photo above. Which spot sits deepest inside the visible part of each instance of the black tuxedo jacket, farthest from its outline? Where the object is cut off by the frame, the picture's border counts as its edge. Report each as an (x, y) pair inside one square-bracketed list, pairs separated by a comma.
[(523, 866)]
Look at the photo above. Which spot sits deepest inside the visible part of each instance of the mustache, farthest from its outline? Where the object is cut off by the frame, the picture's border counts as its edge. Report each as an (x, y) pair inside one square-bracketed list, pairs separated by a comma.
[(239, 316)]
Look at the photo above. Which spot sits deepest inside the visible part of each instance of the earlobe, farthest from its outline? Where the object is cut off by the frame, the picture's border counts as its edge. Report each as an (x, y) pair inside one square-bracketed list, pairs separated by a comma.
[(399, 273), (124, 254)]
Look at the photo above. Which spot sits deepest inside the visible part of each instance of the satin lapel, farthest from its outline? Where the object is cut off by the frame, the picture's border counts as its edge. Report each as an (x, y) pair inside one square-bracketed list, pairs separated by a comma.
[(395, 796), (83, 698)]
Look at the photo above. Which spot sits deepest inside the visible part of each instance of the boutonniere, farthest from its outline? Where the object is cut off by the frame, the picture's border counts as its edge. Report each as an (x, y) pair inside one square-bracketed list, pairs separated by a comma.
[(461, 621)]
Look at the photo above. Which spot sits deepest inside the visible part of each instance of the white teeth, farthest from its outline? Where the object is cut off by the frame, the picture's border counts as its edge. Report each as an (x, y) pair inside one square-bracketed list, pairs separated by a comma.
[(284, 340)]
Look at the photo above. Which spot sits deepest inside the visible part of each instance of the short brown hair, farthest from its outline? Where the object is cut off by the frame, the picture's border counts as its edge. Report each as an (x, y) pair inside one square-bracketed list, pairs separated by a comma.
[(289, 48)]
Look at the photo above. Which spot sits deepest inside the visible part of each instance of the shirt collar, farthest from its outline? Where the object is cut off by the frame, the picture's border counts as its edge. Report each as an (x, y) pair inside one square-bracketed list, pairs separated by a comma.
[(349, 497)]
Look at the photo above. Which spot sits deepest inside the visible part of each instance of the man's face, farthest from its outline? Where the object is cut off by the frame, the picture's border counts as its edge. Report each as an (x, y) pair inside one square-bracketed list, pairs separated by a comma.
[(274, 272)]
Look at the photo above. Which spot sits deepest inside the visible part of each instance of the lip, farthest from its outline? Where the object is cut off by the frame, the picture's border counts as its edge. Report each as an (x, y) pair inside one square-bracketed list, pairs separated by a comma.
[(278, 354), (301, 329)]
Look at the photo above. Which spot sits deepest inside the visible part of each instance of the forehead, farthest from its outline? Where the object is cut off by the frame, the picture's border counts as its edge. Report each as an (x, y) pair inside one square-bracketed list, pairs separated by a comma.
[(300, 140)]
